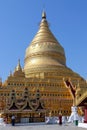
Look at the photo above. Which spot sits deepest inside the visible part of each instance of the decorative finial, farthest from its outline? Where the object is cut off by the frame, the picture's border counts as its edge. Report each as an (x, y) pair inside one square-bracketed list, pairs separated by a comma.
[(43, 15), (18, 66)]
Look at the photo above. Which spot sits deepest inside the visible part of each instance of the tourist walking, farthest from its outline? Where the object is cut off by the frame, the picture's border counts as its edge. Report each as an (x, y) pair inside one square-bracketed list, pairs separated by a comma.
[(13, 120)]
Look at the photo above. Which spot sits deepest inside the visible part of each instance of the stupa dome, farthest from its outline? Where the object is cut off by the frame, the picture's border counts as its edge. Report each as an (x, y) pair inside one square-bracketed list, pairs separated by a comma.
[(44, 50)]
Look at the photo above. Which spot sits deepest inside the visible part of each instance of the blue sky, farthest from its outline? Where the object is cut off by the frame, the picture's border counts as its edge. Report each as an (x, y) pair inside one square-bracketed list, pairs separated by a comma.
[(19, 22)]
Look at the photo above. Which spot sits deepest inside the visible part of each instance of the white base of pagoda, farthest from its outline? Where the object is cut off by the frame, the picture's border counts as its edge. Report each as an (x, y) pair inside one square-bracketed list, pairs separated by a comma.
[(51, 120), (82, 125)]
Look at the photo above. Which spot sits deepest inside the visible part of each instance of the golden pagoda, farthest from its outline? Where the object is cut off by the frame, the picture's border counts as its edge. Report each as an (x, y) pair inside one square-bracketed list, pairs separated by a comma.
[(45, 86)]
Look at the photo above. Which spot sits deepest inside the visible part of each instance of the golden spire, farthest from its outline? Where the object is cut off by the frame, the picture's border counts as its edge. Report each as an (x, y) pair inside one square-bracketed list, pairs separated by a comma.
[(43, 15), (18, 70), (46, 43), (18, 66), (44, 34)]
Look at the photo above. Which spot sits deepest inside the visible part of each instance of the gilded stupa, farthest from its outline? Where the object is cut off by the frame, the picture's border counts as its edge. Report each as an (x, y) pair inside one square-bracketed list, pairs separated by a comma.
[(45, 86), (44, 52)]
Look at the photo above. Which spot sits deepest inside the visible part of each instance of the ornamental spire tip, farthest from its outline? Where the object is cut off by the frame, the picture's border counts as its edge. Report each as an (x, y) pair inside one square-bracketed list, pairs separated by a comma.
[(43, 15)]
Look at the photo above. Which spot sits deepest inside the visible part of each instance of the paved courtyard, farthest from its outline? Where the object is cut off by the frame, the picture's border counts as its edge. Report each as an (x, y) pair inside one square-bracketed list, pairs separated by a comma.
[(41, 127)]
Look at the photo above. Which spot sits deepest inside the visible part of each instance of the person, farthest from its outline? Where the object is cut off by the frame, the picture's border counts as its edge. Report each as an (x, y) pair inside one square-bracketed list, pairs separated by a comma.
[(60, 118), (13, 120)]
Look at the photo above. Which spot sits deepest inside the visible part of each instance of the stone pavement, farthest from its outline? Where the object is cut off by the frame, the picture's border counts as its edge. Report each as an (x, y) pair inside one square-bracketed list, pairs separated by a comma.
[(41, 127)]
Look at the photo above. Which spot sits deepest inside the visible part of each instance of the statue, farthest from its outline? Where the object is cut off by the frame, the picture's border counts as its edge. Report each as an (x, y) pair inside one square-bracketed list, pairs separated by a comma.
[(74, 114)]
